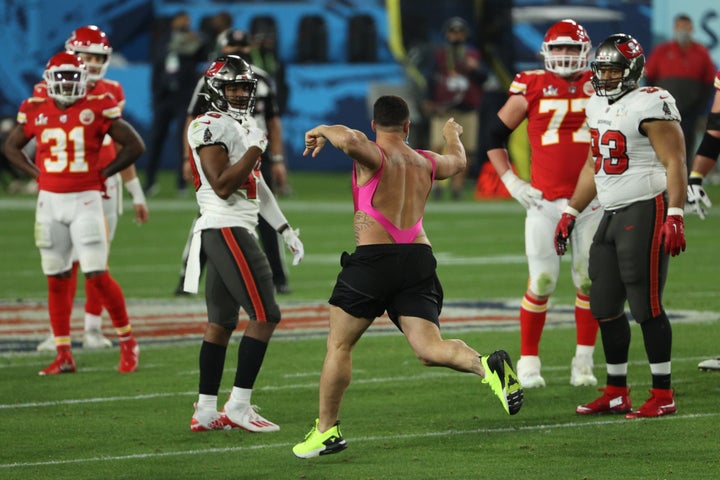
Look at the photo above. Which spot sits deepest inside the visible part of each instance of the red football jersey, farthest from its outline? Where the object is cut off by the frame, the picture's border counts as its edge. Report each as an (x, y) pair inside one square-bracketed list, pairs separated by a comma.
[(559, 138), (107, 154), (68, 141)]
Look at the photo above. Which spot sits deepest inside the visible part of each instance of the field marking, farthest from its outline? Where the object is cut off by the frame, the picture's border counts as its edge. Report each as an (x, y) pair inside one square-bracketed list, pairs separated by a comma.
[(383, 438), (24, 323), (294, 386)]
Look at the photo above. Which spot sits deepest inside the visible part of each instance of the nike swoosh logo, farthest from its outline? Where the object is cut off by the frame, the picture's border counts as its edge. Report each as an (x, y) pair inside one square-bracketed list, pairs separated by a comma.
[(88, 202), (207, 123), (629, 227), (663, 97), (594, 208)]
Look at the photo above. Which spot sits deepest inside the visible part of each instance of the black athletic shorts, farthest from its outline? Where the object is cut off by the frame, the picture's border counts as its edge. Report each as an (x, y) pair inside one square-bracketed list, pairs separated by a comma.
[(628, 261), (397, 278), (238, 275)]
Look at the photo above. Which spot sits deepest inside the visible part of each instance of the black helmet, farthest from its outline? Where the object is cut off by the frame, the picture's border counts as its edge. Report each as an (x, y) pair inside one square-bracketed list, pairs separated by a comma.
[(226, 70), (619, 51)]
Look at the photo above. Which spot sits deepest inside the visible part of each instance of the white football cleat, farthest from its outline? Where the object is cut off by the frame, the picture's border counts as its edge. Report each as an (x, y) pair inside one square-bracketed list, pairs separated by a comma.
[(94, 339), (528, 372), (245, 416), (206, 420), (711, 364), (581, 371), (47, 345)]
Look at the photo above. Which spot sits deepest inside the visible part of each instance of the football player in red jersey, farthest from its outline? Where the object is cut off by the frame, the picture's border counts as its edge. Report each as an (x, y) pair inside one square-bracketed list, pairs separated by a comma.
[(92, 45), (70, 127), (553, 102)]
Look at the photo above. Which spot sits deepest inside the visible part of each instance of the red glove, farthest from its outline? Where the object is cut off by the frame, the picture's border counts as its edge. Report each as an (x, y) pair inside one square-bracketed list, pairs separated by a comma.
[(673, 230), (563, 231)]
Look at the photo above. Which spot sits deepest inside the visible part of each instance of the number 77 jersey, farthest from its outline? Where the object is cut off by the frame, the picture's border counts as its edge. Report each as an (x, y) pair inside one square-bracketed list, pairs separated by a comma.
[(68, 141), (627, 169), (556, 128)]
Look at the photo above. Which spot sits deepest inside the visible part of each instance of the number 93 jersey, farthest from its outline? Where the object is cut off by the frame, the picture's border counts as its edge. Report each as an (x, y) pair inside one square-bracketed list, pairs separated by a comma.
[(627, 169), (242, 207)]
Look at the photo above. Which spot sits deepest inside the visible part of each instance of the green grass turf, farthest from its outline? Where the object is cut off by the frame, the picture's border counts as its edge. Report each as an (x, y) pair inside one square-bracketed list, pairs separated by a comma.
[(401, 420)]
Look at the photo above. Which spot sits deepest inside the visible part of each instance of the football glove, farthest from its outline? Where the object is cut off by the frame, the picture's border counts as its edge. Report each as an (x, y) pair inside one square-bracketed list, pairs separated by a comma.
[(522, 191), (256, 138), (673, 230), (292, 240), (697, 199), (564, 229)]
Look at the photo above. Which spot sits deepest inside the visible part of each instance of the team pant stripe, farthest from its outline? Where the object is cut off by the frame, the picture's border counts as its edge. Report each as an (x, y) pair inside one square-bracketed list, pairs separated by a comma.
[(246, 273), (655, 252)]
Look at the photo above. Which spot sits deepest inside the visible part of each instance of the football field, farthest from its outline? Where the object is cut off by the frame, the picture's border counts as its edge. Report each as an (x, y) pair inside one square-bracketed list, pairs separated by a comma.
[(401, 420)]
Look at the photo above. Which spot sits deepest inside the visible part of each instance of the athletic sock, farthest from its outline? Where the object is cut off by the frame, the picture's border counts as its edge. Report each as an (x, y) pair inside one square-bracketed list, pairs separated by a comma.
[(532, 321), (616, 344), (586, 326), (212, 363), (251, 353)]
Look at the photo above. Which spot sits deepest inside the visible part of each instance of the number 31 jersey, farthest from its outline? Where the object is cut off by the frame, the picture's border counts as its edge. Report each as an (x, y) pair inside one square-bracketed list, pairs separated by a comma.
[(627, 169), (69, 140)]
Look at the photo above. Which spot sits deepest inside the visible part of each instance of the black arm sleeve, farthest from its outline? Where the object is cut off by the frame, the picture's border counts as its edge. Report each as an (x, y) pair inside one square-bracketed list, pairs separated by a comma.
[(497, 134)]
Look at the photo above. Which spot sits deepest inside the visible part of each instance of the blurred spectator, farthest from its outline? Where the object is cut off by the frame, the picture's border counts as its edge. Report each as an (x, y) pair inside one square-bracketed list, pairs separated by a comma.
[(211, 29), (684, 68), (12, 179), (264, 55), (175, 58), (455, 90)]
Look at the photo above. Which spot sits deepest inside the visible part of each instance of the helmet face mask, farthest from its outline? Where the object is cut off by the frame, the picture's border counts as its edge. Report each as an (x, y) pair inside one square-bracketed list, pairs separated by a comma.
[(231, 86), (566, 33), (621, 52), (66, 77), (92, 42)]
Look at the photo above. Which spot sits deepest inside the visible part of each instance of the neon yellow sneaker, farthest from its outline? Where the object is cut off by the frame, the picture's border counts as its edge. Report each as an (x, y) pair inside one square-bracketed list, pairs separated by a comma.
[(503, 381), (317, 443)]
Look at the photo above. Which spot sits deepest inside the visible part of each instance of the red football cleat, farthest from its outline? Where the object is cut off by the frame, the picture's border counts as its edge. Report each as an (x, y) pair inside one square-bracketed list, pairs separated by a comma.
[(661, 402), (613, 400), (63, 363), (129, 355)]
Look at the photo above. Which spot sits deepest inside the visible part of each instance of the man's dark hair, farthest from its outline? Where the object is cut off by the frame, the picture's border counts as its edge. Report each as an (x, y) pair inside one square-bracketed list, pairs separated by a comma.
[(390, 111), (682, 16)]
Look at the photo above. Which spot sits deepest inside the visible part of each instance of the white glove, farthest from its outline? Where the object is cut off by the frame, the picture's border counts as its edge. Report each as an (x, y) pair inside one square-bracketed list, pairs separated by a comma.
[(292, 240), (522, 191), (697, 199), (256, 138)]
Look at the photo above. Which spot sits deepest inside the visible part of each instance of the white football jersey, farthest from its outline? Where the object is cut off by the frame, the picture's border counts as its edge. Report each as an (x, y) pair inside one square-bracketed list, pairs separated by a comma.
[(241, 208), (627, 169)]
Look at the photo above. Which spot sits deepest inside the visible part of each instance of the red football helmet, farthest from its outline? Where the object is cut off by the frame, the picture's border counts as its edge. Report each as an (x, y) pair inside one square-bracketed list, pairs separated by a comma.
[(566, 32), (90, 39), (66, 77)]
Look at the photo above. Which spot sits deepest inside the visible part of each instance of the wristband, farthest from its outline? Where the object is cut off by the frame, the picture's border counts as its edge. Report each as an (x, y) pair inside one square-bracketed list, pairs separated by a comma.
[(571, 211), (695, 174), (282, 228), (675, 211), (136, 191), (277, 158)]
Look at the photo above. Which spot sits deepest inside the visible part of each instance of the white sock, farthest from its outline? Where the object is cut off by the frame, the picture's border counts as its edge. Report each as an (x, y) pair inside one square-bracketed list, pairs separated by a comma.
[(584, 350), (207, 402), (241, 395), (92, 322)]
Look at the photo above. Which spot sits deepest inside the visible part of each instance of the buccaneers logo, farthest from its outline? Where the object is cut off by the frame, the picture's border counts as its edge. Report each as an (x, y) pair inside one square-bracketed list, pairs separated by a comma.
[(630, 49)]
